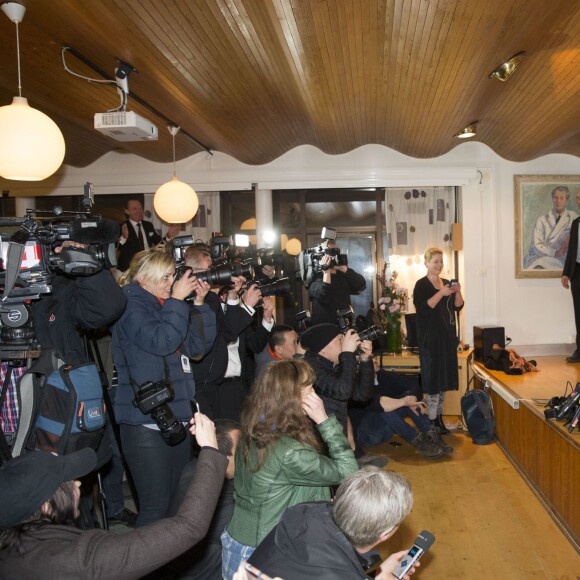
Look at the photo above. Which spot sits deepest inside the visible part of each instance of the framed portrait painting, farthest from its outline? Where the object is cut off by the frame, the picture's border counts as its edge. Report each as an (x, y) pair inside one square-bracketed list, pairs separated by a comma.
[(545, 207)]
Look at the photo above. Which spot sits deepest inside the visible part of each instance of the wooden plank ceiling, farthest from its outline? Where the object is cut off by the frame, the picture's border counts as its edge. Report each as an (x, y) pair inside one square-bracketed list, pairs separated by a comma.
[(256, 78)]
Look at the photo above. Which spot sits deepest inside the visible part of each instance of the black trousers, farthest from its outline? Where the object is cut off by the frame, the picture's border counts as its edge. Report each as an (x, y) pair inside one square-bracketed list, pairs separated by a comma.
[(575, 289)]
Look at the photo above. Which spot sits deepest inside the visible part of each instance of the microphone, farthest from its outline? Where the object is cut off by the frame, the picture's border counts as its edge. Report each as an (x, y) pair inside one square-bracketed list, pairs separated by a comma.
[(572, 400), (94, 230)]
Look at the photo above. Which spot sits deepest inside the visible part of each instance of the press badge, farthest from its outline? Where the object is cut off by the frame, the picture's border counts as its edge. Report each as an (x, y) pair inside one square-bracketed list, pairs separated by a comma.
[(185, 366)]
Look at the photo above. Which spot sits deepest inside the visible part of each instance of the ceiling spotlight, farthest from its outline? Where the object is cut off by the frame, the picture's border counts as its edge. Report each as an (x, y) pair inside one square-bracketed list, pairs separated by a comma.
[(468, 132), (507, 69)]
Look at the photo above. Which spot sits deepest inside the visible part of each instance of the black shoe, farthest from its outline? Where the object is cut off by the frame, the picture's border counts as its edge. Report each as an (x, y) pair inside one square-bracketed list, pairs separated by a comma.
[(573, 358), (125, 516), (368, 459), (441, 425), (435, 436), (426, 447)]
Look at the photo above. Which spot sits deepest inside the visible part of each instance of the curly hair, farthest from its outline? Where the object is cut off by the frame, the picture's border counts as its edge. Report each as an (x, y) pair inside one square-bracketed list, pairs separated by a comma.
[(273, 408)]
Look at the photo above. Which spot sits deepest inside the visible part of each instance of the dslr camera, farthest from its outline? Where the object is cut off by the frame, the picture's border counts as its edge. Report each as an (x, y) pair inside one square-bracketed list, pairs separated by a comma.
[(219, 275), (152, 398), (346, 321)]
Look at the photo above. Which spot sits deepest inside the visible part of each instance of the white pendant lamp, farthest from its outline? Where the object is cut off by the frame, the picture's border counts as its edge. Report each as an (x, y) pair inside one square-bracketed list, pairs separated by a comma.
[(175, 202), (31, 145)]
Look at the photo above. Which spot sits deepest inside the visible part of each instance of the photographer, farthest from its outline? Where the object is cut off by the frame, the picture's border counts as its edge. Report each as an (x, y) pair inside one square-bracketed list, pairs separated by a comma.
[(282, 345), (39, 500), (152, 346), (76, 302), (331, 291), (224, 375), (339, 376)]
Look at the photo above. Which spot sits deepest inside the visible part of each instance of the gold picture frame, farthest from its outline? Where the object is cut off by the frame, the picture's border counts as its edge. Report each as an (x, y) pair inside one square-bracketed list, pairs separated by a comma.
[(542, 224)]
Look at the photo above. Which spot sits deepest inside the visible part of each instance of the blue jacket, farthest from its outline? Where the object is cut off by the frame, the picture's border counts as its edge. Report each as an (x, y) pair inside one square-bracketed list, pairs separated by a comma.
[(148, 332)]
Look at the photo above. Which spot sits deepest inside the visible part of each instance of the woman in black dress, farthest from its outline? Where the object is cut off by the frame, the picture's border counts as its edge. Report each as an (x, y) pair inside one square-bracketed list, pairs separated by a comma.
[(436, 301)]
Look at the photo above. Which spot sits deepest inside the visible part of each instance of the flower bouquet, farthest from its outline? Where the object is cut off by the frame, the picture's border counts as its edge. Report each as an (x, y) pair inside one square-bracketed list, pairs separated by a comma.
[(392, 304)]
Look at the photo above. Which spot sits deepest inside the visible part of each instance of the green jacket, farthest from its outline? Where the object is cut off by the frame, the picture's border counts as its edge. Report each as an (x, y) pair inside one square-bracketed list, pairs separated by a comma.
[(292, 473)]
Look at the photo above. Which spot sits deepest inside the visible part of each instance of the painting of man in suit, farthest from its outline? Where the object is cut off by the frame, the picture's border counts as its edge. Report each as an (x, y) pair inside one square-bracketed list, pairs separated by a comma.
[(549, 242), (544, 213)]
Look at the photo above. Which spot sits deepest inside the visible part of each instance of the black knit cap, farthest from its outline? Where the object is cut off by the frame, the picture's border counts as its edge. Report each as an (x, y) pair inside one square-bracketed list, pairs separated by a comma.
[(317, 337), (27, 481)]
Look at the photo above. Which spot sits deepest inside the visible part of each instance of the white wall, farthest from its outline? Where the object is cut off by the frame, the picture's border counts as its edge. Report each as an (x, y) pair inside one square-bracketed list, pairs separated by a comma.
[(533, 311)]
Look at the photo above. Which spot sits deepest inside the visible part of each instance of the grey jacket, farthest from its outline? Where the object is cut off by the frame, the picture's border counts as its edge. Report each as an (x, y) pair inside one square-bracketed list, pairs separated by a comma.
[(67, 553)]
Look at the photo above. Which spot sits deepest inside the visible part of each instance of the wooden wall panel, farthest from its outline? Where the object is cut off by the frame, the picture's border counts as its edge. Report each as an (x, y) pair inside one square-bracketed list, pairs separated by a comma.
[(547, 456)]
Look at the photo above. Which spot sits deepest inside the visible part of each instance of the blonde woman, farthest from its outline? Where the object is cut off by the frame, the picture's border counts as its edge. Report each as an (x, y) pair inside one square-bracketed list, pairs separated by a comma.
[(153, 342), (436, 301)]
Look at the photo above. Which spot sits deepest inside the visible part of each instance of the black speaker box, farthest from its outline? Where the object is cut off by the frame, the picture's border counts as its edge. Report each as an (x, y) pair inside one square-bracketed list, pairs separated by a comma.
[(411, 324), (484, 337)]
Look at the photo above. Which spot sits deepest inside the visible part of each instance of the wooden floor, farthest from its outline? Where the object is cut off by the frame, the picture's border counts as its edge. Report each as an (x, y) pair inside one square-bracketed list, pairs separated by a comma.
[(486, 520)]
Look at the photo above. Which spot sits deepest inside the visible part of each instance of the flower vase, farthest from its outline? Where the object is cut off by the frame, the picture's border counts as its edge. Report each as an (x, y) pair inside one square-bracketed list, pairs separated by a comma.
[(393, 341)]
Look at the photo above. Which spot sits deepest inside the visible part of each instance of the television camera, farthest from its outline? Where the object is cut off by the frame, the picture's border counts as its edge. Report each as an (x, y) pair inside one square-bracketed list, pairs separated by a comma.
[(309, 265), (33, 253)]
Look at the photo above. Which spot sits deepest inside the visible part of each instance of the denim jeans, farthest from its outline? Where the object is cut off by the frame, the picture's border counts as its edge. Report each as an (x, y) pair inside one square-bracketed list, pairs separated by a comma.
[(396, 422), (155, 468), (378, 428), (232, 555), (373, 430)]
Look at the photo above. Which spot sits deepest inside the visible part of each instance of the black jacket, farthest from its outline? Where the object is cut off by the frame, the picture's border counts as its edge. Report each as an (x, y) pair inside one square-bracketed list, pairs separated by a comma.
[(570, 264), (132, 246), (235, 323), (337, 385), (306, 543), (328, 298), (76, 302)]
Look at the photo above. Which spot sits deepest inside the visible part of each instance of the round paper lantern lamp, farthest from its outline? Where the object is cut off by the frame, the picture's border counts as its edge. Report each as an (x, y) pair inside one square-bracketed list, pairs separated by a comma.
[(31, 145), (175, 202)]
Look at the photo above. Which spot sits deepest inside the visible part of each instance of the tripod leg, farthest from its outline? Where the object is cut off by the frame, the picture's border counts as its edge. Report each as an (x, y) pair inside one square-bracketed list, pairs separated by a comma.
[(103, 501)]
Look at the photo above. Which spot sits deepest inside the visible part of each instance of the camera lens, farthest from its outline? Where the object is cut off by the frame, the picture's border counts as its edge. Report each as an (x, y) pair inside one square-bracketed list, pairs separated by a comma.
[(276, 288)]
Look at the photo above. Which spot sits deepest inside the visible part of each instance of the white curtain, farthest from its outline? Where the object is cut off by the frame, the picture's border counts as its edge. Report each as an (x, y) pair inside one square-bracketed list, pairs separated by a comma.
[(206, 220), (418, 219)]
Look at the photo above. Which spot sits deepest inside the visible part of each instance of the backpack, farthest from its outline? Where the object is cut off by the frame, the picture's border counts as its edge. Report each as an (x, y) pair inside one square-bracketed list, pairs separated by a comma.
[(477, 411), (61, 407)]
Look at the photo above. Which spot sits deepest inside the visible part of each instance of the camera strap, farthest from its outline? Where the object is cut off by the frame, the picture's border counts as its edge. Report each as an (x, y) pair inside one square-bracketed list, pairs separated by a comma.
[(134, 385)]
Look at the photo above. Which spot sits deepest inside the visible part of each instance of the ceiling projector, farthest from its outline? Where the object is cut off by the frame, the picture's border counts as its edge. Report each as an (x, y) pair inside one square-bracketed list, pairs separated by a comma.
[(125, 126)]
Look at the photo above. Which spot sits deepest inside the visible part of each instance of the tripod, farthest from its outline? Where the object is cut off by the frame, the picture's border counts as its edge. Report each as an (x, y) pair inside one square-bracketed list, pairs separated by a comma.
[(94, 355)]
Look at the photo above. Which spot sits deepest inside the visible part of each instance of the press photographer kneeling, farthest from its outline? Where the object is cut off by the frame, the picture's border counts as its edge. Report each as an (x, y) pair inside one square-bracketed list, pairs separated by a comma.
[(39, 499)]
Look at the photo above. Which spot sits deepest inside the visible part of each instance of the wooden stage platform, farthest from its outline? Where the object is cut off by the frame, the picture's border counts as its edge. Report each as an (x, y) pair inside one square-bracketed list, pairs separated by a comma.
[(543, 451)]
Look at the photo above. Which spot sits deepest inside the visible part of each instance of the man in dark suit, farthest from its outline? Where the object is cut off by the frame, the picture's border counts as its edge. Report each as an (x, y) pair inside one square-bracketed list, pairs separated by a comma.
[(137, 234), (571, 279)]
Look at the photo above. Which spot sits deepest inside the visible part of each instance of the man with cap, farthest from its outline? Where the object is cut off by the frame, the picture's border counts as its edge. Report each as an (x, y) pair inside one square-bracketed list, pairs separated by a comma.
[(39, 498), (340, 377)]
